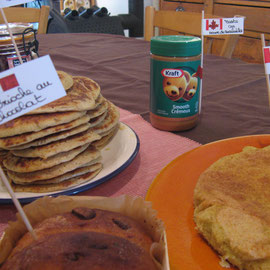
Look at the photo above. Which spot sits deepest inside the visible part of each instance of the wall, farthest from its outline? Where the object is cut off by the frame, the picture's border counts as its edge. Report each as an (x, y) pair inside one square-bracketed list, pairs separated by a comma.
[(115, 7), (121, 6)]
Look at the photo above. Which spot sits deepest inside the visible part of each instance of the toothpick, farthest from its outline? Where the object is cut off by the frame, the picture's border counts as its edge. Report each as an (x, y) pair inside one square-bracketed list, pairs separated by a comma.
[(17, 204), (11, 36), (202, 38), (266, 75)]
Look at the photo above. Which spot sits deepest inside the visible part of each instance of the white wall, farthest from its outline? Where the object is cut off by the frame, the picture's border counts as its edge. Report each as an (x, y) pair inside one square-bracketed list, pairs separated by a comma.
[(154, 3), (114, 7)]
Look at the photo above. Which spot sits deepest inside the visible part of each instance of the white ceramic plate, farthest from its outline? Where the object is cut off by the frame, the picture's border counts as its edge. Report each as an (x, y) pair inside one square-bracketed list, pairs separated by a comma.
[(116, 156)]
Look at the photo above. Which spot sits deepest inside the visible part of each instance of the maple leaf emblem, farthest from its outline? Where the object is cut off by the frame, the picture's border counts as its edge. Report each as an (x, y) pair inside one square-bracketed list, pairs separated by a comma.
[(213, 25)]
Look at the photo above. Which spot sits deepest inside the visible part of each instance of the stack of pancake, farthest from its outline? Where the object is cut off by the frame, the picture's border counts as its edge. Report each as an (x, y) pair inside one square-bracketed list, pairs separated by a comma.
[(58, 145)]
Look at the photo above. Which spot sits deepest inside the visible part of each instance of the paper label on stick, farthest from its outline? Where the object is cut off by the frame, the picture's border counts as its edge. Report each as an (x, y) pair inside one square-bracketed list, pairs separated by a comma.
[(27, 87), (223, 26), (266, 55), (9, 3)]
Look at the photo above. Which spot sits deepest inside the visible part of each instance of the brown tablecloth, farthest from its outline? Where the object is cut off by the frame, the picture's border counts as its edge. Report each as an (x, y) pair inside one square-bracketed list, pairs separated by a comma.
[(235, 99), (235, 103)]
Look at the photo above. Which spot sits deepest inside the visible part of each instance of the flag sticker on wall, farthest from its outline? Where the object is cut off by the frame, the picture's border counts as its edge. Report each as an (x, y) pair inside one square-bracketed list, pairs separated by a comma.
[(223, 26), (9, 82), (266, 53)]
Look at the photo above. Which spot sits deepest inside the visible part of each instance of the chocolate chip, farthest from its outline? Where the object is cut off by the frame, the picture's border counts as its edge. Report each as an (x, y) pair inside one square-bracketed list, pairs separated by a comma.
[(83, 224), (120, 224), (99, 246), (74, 256), (84, 213)]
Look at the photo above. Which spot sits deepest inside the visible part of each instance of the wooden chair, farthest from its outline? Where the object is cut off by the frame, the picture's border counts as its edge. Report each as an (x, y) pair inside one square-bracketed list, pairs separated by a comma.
[(28, 15), (188, 23)]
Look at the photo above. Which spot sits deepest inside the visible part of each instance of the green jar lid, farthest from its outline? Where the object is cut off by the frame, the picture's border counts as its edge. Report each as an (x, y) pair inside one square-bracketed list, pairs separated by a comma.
[(176, 45)]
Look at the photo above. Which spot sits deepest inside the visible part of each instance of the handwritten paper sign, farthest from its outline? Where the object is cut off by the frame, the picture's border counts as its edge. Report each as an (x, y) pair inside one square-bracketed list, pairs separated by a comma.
[(223, 26), (27, 87), (266, 55), (9, 3)]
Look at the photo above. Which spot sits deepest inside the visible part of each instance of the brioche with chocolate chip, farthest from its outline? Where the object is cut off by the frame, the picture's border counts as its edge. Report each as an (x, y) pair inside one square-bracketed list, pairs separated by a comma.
[(81, 250), (84, 239)]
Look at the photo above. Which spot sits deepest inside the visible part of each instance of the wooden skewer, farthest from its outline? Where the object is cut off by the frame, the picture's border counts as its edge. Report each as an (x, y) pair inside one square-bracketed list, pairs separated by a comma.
[(202, 38), (2, 175), (266, 75), (17, 204), (11, 36)]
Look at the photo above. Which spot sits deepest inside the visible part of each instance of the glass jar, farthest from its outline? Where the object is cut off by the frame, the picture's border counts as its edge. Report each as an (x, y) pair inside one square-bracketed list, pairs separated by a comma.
[(25, 38), (176, 76)]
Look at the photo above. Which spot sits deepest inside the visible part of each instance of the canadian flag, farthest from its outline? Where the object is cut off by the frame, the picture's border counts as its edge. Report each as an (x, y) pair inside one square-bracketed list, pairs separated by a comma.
[(266, 54), (214, 24)]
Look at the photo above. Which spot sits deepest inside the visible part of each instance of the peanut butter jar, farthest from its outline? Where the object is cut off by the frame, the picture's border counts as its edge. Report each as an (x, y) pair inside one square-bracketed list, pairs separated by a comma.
[(175, 83)]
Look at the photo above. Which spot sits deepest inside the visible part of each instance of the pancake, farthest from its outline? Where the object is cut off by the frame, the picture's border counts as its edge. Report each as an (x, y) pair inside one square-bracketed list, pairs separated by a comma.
[(232, 207), (54, 137), (71, 182), (100, 99), (3, 155), (97, 120), (48, 150), (65, 79), (34, 123), (14, 141), (106, 138), (80, 160), (90, 167), (66, 176), (111, 120), (20, 164), (100, 109), (89, 84), (78, 98)]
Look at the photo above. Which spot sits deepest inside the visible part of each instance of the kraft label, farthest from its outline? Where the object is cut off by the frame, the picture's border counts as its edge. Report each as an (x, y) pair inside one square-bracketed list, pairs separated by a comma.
[(175, 88)]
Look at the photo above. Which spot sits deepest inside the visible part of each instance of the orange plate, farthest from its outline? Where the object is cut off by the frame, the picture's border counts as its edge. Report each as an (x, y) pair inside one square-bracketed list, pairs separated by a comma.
[(172, 195)]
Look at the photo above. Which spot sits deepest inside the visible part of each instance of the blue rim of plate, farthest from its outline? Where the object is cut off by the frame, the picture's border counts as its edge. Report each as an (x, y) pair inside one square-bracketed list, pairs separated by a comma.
[(76, 190)]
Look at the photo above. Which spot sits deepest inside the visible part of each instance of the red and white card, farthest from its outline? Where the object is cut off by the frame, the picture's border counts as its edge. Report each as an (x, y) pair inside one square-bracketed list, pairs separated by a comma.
[(27, 87), (266, 55), (223, 26)]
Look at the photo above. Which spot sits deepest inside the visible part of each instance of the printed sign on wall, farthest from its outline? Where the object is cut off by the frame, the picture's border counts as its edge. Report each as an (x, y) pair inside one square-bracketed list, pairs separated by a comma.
[(27, 87), (9, 3)]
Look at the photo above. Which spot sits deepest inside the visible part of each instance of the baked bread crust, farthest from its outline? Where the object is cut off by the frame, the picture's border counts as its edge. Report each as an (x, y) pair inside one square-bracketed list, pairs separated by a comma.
[(84, 236), (85, 219), (81, 250)]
